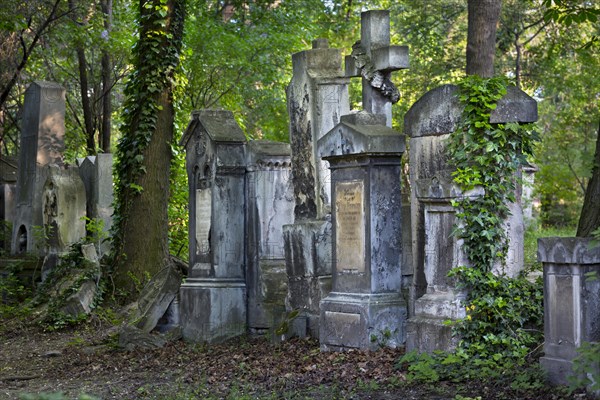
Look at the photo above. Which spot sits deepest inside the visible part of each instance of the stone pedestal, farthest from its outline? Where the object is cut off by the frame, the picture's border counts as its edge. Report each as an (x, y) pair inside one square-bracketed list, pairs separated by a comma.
[(571, 301), (213, 298), (42, 143), (365, 308), (429, 123), (269, 206)]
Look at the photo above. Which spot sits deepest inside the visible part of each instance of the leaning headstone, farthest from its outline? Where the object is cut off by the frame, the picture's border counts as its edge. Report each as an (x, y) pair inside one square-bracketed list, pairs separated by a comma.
[(429, 123), (42, 143), (365, 308), (96, 173), (317, 97), (269, 206), (213, 297), (571, 303)]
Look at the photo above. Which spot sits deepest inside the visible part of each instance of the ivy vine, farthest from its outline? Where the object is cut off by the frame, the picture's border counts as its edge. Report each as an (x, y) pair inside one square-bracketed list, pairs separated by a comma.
[(156, 60), (501, 311)]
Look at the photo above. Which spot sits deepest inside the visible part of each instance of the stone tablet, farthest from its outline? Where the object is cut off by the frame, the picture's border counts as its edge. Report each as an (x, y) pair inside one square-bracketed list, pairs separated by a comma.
[(203, 219), (350, 226)]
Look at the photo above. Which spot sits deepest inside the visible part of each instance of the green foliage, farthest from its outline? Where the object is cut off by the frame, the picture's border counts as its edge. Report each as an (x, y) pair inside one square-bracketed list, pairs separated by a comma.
[(284, 326), (486, 156), (503, 314), (586, 370), (64, 280), (14, 292), (53, 396)]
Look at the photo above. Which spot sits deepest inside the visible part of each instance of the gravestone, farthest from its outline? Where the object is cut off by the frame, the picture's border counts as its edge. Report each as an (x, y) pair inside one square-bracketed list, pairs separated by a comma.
[(269, 206), (63, 212), (42, 143), (317, 97), (365, 308), (213, 297), (96, 174), (429, 123), (8, 179), (571, 302)]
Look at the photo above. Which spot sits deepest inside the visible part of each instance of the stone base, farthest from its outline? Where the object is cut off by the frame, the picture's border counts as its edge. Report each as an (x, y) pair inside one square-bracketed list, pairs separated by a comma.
[(557, 370), (266, 302), (365, 321), (212, 310), (427, 334), (426, 331), (308, 266)]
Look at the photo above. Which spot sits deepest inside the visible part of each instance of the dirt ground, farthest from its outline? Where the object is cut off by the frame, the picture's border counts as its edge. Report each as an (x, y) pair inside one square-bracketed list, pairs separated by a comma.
[(85, 360)]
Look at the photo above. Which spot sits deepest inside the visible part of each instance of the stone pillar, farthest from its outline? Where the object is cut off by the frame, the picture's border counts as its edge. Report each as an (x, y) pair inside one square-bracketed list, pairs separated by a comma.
[(42, 143), (429, 123), (317, 97), (269, 206), (365, 308), (96, 173), (571, 301), (213, 297)]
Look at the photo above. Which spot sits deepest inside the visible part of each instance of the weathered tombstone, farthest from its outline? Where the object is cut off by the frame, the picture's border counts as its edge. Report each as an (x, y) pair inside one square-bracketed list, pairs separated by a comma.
[(42, 143), (429, 123), (317, 97), (269, 206), (8, 179), (213, 297), (365, 308), (571, 302), (63, 212), (96, 173)]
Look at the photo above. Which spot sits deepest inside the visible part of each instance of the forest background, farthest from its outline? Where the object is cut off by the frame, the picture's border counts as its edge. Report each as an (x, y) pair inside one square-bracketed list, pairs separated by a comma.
[(237, 55)]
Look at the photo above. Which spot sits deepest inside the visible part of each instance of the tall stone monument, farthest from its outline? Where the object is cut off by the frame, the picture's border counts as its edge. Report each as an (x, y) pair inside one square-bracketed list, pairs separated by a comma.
[(213, 297), (42, 143), (317, 97), (269, 206), (429, 123), (365, 308)]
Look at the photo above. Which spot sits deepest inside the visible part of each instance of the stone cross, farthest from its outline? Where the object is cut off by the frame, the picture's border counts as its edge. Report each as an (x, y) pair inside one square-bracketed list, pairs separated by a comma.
[(375, 59)]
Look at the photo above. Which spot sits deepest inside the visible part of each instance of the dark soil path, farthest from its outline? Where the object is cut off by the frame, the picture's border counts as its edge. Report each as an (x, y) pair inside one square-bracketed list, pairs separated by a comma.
[(86, 361)]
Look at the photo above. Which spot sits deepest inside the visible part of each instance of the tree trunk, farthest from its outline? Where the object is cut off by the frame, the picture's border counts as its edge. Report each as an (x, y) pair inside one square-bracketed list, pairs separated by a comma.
[(589, 220), (107, 82), (481, 36), (142, 231)]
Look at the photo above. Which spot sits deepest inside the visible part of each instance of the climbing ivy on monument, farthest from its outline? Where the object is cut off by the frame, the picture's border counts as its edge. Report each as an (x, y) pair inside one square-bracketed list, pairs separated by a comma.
[(487, 157)]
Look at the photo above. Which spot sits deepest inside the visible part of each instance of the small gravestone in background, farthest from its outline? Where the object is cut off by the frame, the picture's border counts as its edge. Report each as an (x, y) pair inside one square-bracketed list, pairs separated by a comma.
[(365, 308), (429, 123), (42, 143), (269, 206), (213, 297), (8, 179), (96, 173), (571, 303)]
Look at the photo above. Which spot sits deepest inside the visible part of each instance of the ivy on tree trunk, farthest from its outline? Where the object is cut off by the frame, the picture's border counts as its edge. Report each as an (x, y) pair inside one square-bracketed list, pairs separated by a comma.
[(140, 238)]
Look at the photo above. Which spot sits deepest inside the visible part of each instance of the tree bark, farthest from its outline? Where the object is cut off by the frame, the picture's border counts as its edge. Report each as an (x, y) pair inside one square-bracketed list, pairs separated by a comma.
[(107, 81), (481, 36), (142, 249), (589, 220)]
